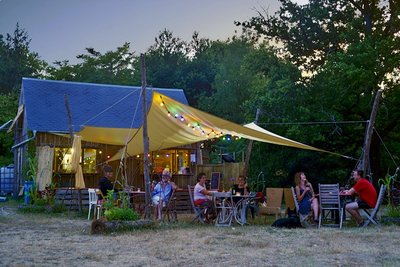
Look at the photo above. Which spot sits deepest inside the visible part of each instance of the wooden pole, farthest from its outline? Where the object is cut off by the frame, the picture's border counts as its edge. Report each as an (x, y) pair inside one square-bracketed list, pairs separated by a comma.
[(71, 132), (147, 211), (364, 163), (249, 150)]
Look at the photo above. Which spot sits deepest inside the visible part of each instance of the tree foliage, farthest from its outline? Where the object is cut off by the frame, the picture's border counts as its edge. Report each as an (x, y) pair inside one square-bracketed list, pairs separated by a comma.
[(17, 61), (349, 48), (112, 67), (330, 58)]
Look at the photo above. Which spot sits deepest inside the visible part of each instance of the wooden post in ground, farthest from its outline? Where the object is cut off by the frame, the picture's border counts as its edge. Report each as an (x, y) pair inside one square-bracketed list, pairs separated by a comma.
[(147, 210), (249, 150), (364, 163)]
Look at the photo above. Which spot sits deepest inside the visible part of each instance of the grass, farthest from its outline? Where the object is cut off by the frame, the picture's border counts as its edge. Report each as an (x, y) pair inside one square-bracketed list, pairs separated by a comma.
[(65, 240)]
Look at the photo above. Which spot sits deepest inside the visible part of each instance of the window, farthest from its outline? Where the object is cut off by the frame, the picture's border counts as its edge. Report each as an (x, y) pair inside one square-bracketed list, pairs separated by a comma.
[(177, 161), (63, 156)]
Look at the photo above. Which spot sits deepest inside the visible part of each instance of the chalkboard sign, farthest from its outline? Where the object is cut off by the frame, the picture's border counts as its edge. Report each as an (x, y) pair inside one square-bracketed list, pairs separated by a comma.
[(215, 179)]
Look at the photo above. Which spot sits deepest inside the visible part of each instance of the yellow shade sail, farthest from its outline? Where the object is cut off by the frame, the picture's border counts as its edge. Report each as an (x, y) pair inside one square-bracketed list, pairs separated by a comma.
[(171, 123)]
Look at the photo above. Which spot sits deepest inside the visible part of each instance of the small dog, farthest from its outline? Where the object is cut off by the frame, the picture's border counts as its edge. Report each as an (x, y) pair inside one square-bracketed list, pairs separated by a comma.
[(292, 221)]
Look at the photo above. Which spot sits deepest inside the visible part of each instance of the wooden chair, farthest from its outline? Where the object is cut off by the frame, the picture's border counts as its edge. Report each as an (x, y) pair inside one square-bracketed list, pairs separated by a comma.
[(289, 202), (372, 215), (274, 203), (198, 211), (329, 205), (169, 211)]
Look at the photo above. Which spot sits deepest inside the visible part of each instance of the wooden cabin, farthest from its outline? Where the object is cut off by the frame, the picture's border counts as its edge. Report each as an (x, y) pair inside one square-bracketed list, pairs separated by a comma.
[(50, 110)]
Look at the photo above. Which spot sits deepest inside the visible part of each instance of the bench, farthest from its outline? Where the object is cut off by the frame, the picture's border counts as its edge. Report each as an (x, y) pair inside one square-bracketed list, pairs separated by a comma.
[(72, 198)]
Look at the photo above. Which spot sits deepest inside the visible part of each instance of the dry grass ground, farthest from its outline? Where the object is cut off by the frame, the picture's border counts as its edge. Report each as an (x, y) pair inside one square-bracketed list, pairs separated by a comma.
[(41, 240)]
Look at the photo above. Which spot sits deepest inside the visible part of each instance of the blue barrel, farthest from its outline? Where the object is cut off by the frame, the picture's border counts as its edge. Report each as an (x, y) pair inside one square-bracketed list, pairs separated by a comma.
[(6, 179), (27, 191)]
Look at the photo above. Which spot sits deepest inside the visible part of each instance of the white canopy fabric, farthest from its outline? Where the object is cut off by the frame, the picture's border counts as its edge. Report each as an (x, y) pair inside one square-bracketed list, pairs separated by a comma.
[(171, 124)]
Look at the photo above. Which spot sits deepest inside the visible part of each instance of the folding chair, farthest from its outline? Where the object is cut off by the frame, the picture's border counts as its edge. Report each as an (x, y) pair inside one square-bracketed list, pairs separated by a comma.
[(274, 202), (329, 204), (304, 219), (371, 216), (198, 211)]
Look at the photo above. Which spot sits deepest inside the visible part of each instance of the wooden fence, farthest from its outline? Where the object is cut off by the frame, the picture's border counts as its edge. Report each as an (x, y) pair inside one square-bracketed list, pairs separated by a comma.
[(229, 172)]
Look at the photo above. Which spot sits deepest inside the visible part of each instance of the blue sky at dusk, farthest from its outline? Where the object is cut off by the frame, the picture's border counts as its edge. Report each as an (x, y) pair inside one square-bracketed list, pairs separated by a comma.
[(61, 30)]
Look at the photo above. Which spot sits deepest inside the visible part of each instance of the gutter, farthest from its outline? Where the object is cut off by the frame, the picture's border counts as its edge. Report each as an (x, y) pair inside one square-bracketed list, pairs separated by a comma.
[(24, 142), (5, 125)]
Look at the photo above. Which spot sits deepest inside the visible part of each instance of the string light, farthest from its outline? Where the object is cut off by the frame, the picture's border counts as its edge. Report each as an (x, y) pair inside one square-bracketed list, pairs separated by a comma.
[(196, 125)]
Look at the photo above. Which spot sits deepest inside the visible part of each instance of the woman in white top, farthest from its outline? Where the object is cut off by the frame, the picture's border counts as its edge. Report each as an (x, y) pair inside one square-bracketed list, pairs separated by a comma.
[(201, 197)]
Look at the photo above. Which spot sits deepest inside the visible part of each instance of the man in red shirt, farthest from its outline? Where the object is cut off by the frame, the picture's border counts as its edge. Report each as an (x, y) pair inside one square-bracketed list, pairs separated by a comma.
[(366, 196)]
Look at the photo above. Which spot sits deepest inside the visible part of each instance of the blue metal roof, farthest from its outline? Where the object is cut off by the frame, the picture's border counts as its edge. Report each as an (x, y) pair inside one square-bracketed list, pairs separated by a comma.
[(100, 105)]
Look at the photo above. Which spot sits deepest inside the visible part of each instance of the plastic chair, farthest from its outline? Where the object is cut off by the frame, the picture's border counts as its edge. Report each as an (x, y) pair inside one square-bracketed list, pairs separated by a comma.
[(99, 205), (329, 202), (371, 216), (92, 201)]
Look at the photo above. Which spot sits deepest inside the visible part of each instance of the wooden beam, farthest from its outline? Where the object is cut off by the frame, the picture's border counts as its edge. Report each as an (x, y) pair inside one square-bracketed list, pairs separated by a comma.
[(364, 163), (249, 150)]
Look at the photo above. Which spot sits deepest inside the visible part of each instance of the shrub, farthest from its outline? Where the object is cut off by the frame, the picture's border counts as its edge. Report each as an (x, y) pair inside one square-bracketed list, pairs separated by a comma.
[(392, 211), (122, 214)]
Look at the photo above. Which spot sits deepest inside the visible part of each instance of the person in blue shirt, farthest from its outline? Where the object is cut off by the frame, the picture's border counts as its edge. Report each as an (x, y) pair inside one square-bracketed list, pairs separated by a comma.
[(161, 194)]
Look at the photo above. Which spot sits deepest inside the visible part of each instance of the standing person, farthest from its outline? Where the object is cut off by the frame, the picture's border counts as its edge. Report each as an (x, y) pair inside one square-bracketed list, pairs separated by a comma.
[(305, 195), (367, 196), (201, 197), (104, 182)]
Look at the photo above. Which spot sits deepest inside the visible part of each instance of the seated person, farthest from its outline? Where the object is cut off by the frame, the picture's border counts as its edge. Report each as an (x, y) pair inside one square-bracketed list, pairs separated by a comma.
[(243, 189), (161, 194), (366, 193), (168, 175), (201, 197), (305, 195), (104, 183)]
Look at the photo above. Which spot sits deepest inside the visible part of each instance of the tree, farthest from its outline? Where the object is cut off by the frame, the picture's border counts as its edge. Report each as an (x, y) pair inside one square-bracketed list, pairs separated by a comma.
[(349, 48), (17, 61), (8, 109), (231, 83), (165, 60), (112, 67)]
